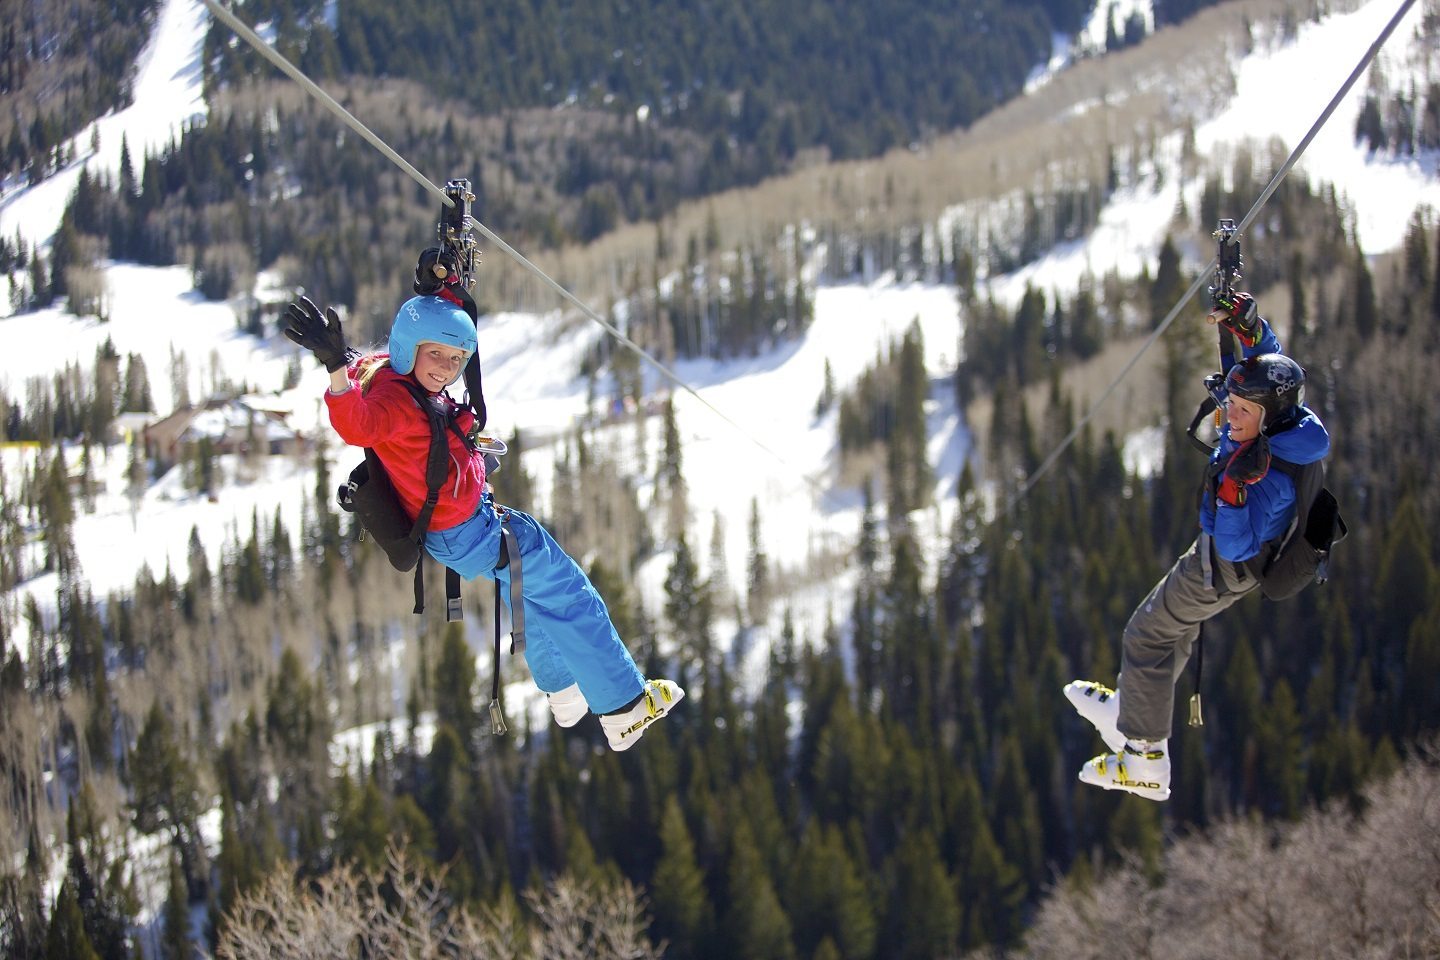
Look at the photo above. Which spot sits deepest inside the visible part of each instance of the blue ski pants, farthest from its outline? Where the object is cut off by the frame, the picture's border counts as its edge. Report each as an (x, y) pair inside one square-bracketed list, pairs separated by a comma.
[(569, 637)]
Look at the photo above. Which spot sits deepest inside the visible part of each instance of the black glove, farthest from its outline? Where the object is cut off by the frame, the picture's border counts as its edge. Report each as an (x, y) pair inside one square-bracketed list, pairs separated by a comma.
[(322, 336), (1238, 313), (437, 274), (1248, 464), (435, 270)]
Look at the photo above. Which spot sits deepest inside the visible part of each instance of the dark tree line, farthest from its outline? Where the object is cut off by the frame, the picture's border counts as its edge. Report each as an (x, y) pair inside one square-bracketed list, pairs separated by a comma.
[(1403, 123), (772, 78)]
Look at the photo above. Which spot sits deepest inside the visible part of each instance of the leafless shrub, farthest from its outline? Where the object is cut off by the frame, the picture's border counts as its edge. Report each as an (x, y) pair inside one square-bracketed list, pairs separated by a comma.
[(1332, 886), (404, 911)]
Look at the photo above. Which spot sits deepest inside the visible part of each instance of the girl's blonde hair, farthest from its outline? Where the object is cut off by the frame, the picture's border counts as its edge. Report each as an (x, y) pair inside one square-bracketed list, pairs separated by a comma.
[(369, 365)]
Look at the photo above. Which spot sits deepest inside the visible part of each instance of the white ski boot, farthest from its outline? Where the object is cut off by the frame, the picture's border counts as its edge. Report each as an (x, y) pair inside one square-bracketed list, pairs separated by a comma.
[(623, 729), (1141, 768), (1101, 706), (568, 705)]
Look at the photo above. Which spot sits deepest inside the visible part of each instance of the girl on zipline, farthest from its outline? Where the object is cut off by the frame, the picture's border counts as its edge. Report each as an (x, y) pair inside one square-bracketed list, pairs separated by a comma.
[(575, 655)]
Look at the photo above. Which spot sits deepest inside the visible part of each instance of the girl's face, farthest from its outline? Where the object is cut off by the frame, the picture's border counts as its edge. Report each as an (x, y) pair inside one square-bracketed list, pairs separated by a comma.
[(1246, 418), (437, 366)]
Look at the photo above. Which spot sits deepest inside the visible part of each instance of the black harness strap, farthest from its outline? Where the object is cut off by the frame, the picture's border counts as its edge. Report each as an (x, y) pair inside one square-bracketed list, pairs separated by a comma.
[(509, 557), (1197, 715), (510, 554), (437, 470)]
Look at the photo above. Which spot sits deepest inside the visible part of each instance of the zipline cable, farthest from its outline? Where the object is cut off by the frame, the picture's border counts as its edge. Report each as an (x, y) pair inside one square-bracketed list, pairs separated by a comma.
[(296, 74), (1265, 195)]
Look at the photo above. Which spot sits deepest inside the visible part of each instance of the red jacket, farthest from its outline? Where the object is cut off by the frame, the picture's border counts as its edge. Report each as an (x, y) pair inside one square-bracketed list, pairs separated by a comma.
[(386, 418)]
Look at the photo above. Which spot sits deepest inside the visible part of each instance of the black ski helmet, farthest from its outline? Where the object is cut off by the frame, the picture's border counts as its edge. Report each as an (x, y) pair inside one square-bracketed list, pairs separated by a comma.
[(1272, 380)]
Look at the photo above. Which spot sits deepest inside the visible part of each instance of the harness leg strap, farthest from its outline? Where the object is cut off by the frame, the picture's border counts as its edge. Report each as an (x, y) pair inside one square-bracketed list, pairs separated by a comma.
[(1205, 560), (509, 557), (510, 552), (453, 611), (497, 715)]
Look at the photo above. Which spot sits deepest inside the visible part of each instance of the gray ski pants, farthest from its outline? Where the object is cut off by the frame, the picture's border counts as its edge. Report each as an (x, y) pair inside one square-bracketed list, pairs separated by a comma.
[(1162, 630)]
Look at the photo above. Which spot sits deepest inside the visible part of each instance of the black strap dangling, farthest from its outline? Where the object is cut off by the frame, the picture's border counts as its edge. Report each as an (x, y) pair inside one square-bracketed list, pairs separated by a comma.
[(1197, 717)]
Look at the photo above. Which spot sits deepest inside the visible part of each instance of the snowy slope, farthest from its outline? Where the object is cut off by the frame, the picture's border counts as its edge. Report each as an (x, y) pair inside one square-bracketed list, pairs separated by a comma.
[(167, 96), (1282, 86)]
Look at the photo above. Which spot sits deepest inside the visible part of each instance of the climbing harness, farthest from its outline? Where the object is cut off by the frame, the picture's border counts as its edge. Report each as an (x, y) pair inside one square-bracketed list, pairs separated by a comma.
[(370, 496)]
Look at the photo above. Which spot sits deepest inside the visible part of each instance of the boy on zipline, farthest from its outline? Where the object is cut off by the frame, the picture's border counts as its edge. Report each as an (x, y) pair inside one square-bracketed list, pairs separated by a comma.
[(1245, 509), (575, 655)]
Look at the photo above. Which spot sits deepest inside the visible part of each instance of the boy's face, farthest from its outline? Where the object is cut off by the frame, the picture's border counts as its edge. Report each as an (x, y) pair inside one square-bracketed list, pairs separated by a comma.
[(437, 366)]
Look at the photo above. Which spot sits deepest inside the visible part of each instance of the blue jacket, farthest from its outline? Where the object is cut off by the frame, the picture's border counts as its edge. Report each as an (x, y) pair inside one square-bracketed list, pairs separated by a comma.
[(1241, 532)]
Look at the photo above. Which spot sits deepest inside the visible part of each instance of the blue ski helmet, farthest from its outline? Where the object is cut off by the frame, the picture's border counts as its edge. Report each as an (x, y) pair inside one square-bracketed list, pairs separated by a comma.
[(1272, 380), (428, 320)]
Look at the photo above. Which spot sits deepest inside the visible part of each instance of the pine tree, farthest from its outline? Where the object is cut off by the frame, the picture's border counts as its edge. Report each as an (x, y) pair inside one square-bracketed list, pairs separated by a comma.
[(1370, 125), (455, 687), (361, 827), (1242, 706), (1282, 757), (1406, 572), (67, 939), (1169, 284), (297, 726), (681, 904), (447, 801), (1421, 700), (100, 911), (827, 897), (687, 605), (513, 483), (755, 924), (1364, 311), (279, 559), (176, 942), (249, 574), (1015, 816), (1086, 330), (166, 791), (58, 509), (671, 473), (135, 395), (924, 913), (99, 722), (1299, 302), (757, 574), (827, 391), (990, 890)]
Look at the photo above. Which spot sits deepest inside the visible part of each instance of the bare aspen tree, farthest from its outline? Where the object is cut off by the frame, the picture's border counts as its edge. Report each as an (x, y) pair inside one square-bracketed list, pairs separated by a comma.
[(1330, 887), (403, 911)]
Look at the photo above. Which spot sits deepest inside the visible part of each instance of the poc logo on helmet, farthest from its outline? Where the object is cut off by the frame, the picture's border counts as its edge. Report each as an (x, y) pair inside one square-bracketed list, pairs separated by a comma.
[(1282, 377), (414, 314)]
